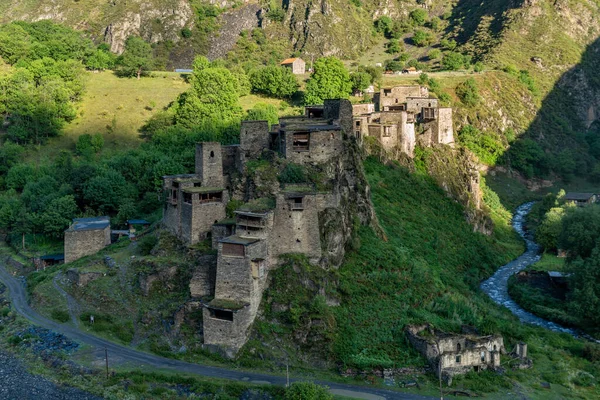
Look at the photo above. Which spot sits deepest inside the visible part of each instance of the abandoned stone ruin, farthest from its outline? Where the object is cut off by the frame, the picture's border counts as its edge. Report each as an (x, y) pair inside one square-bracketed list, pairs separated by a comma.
[(86, 236), (455, 354), (402, 117), (280, 219)]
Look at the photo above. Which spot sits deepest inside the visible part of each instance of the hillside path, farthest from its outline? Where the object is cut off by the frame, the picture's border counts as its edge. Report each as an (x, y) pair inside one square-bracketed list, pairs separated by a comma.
[(135, 358), (497, 285)]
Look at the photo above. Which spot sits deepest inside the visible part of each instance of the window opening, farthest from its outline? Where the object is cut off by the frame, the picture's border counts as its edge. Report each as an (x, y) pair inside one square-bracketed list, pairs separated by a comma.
[(221, 314), (301, 141), (187, 198), (458, 359), (483, 356), (212, 153)]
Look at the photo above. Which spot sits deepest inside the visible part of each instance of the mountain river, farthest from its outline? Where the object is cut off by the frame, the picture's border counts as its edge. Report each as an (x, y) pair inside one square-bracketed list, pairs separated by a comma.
[(497, 286)]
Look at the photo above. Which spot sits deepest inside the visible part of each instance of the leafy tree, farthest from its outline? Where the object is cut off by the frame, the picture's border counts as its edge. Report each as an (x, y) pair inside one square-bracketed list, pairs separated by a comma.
[(585, 284), (418, 16), (307, 391), (580, 231), (242, 80), (274, 81), (213, 95), (468, 92), (453, 61), (422, 38), (384, 25), (549, 230), (434, 54), (136, 59), (200, 63), (486, 146), (330, 80), (375, 72), (58, 215), (100, 61), (435, 23), (478, 67), (360, 81), (19, 175), (449, 45), (393, 65), (394, 46), (263, 111), (15, 43)]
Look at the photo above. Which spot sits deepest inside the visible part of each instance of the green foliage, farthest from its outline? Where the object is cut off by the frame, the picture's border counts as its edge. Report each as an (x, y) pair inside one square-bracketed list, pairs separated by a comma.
[(60, 316), (434, 54), (528, 81), (580, 231), (275, 12), (307, 391), (549, 230), (146, 244), (274, 81), (422, 38), (449, 45), (186, 33), (384, 25), (418, 16), (468, 93), (585, 284), (330, 80), (136, 59), (486, 146), (360, 81), (101, 60), (453, 61), (394, 46), (293, 173), (87, 144), (213, 95), (478, 67), (376, 73), (263, 111)]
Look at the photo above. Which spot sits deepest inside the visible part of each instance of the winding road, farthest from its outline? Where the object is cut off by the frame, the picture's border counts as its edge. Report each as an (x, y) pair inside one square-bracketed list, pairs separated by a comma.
[(136, 358), (497, 285)]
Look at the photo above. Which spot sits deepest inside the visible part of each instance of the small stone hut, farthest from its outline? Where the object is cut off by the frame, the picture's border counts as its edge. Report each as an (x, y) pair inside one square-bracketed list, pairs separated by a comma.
[(297, 65), (86, 236)]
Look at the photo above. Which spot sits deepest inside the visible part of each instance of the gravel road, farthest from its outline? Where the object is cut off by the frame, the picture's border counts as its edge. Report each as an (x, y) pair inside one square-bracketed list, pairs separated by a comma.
[(136, 358)]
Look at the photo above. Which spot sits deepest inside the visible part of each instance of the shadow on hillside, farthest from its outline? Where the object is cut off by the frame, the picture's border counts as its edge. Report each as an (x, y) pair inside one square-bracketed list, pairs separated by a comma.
[(563, 141), (468, 15)]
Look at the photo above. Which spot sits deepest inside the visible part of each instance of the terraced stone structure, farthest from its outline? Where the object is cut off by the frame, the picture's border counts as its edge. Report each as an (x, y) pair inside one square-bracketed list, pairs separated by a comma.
[(405, 116), (86, 236)]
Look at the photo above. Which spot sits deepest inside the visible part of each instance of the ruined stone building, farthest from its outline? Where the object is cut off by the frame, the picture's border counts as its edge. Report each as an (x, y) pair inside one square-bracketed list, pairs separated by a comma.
[(454, 354), (403, 117), (287, 220), (86, 236), (297, 65)]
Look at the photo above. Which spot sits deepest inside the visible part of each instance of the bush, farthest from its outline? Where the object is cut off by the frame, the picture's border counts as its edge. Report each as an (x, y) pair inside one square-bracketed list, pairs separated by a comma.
[(484, 145), (307, 391), (186, 33), (453, 61), (293, 173), (146, 244), (468, 92), (274, 81), (422, 38), (60, 316), (434, 54), (418, 17)]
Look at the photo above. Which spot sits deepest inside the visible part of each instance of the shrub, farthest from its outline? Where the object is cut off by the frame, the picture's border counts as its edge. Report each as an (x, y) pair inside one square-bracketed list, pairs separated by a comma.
[(453, 61), (186, 33), (418, 17), (4, 311), (146, 244), (434, 54), (422, 38), (468, 92), (293, 173), (394, 46), (485, 146), (274, 81), (60, 316), (307, 391), (478, 67)]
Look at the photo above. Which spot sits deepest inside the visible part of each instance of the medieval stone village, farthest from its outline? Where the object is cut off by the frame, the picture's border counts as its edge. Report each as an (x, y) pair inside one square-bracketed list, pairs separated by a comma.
[(292, 218)]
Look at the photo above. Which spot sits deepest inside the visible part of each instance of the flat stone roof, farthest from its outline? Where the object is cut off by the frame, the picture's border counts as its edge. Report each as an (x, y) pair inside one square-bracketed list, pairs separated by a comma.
[(89, 224), (238, 240)]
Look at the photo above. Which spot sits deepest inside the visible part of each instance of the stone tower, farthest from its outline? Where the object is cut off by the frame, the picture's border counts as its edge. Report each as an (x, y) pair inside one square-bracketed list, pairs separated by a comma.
[(209, 164)]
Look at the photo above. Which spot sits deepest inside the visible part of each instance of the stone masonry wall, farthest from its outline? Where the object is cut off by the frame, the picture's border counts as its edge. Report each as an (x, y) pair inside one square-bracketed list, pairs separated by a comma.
[(209, 164), (296, 231), (79, 244), (445, 128), (254, 138), (323, 146), (203, 279), (197, 218)]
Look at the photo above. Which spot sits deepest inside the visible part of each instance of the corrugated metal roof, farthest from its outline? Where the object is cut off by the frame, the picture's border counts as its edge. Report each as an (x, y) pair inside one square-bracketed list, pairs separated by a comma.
[(578, 196)]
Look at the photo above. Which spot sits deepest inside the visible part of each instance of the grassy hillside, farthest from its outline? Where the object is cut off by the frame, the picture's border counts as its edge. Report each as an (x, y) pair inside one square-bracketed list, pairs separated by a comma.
[(428, 270)]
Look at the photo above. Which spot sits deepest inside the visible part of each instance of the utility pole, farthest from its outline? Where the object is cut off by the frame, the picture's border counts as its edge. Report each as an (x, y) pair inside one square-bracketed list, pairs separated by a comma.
[(106, 357)]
